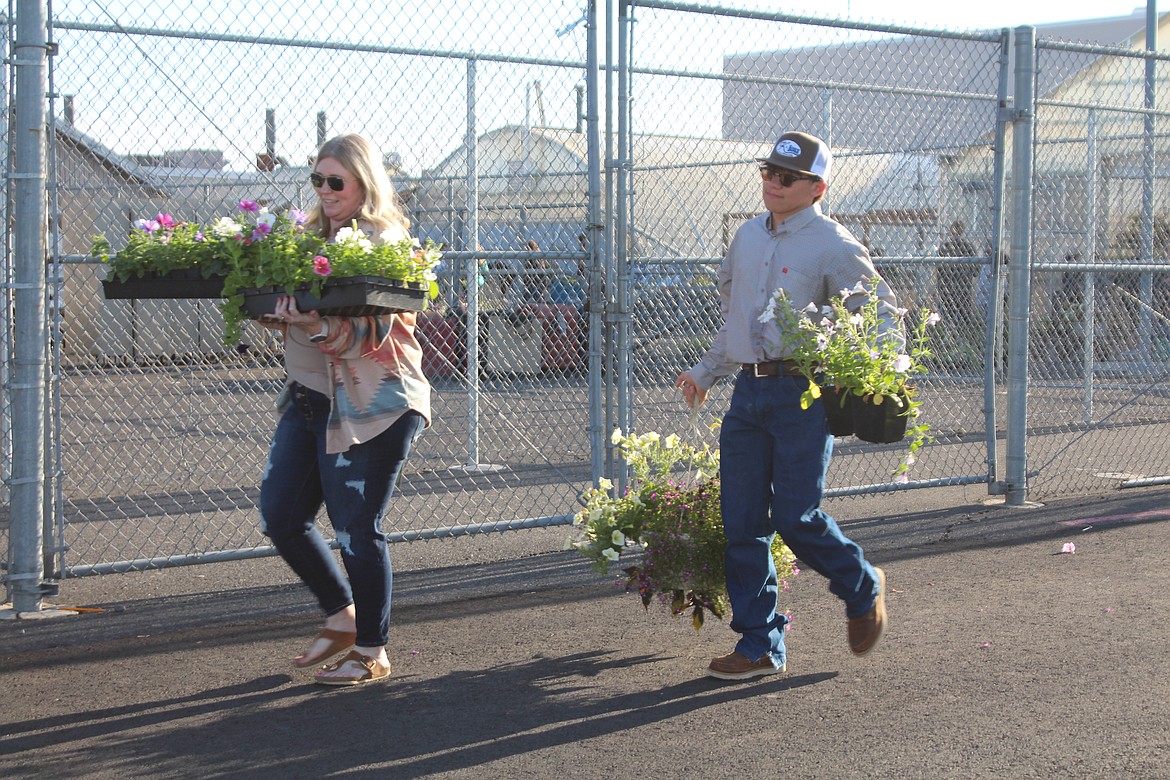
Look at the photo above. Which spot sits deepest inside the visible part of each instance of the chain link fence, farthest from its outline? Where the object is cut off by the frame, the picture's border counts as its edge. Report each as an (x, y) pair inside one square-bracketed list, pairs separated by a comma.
[(911, 119), (584, 192), (1100, 331), (162, 428)]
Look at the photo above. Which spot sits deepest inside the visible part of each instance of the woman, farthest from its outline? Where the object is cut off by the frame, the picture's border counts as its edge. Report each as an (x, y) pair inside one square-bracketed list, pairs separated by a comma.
[(354, 403)]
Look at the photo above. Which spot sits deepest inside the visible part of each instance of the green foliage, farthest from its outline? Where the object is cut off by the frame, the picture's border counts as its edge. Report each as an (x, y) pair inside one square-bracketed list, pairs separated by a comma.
[(257, 248), (672, 510), (159, 246)]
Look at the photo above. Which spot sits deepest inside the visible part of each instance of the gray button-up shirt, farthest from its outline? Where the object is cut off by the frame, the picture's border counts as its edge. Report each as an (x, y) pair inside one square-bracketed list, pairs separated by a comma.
[(809, 255)]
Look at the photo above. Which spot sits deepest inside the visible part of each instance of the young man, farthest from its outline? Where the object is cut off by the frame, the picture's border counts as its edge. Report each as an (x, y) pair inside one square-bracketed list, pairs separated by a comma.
[(773, 454)]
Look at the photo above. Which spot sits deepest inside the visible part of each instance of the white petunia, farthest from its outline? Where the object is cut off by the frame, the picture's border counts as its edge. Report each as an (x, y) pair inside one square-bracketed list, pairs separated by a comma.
[(225, 227), (610, 554), (266, 217), (618, 538), (347, 235)]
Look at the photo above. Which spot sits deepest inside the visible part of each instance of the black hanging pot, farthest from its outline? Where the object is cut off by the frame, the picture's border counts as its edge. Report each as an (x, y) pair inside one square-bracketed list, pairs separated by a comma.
[(838, 406), (883, 423)]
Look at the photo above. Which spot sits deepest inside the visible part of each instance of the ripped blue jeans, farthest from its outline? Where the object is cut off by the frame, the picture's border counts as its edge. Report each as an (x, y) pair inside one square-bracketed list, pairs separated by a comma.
[(355, 486)]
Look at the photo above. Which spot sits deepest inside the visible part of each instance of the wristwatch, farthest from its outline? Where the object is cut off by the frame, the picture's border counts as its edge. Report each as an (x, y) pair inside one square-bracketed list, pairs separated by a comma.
[(317, 338)]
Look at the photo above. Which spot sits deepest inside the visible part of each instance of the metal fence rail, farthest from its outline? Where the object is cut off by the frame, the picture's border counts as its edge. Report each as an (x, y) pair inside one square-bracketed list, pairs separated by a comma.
[(585, 173)]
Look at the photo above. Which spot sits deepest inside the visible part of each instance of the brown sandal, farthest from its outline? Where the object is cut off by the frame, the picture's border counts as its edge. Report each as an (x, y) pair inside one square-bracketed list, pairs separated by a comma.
[(372, 670), (338, 641)]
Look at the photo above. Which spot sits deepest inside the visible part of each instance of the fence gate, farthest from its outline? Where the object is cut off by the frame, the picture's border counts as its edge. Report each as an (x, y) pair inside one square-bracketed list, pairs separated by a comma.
[(1099, 385), (913, 119)]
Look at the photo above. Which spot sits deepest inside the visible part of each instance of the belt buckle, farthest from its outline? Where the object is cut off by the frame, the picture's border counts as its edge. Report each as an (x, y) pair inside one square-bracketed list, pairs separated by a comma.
[(756, 371)]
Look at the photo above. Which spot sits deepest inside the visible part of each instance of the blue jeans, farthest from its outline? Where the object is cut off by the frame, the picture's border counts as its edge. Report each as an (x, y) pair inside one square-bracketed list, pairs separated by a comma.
[(355, 487), (773, 458)]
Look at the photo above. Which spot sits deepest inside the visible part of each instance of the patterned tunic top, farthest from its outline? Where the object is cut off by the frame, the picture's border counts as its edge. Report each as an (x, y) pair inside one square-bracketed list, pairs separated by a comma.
[(373, 371)]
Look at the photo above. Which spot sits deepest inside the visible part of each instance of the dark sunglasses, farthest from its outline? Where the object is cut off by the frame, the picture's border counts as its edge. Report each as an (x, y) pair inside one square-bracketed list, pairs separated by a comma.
[(336, 183), (785, 178)]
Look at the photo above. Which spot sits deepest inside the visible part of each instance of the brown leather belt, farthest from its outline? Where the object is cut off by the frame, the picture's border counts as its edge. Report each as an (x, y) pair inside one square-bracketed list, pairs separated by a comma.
[(772, 368)]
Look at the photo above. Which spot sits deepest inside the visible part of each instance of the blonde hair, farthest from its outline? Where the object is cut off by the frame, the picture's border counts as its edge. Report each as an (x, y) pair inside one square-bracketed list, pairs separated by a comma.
[(381, 208)]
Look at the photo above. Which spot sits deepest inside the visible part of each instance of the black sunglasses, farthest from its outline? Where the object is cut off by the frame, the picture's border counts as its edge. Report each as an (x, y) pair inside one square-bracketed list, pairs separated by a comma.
[(785, 178), (336, 183)]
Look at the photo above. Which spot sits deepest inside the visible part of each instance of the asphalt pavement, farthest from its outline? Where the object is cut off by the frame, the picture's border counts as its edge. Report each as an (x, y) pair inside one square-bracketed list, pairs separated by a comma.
[(1006, 657)]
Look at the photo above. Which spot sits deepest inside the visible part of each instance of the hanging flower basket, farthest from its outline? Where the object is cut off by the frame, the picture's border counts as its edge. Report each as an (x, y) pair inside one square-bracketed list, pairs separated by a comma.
[(838, 410), (354, 296), (883, 423), (179, 283)]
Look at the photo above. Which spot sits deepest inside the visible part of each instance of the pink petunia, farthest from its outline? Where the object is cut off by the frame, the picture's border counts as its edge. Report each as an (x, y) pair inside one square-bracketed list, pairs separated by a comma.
[(249, 205), (1069, 548), (321, 266), (166, 220)]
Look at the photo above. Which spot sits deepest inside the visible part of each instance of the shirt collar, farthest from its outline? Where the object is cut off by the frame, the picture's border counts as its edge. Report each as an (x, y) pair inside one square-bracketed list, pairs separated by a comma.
[(796, 221)]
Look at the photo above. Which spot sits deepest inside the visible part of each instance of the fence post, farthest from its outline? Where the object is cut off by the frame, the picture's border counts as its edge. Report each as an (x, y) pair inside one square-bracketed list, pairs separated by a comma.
[(1020, 267), (993, 335), (623, 215), (472, 225), (1149, 171), (595, 239), (26, 568)]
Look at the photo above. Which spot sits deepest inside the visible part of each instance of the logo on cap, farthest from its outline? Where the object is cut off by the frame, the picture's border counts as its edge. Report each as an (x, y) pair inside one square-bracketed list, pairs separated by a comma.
[(788, 148)]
